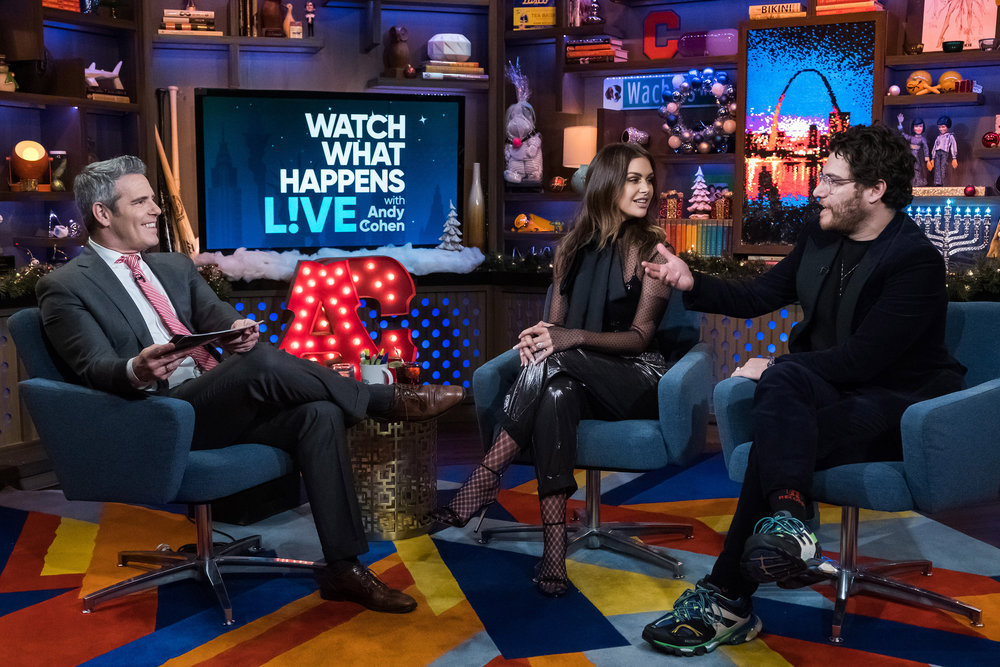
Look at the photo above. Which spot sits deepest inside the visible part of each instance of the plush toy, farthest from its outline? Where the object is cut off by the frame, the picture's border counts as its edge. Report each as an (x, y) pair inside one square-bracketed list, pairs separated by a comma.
[(522, 142)]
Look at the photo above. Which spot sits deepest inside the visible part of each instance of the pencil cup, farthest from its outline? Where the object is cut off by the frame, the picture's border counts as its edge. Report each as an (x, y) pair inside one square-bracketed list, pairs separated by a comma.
[(376, 374)]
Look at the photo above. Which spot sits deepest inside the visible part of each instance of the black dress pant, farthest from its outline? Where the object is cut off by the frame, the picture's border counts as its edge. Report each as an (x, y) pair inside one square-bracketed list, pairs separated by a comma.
[(545, 404), (802, 424), (277, 399)]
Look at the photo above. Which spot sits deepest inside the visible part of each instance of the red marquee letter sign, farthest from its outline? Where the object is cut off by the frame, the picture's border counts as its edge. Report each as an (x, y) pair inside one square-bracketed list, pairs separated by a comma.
[(324, 300), (653, 50)]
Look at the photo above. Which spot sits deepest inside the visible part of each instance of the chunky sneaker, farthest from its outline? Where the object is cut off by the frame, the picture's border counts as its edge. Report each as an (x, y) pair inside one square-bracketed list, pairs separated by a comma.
[(819, 569), (781, 547), (702, 619)]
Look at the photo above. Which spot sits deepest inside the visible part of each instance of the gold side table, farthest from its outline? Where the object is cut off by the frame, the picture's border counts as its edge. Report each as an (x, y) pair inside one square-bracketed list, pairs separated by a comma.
[(395, 476)]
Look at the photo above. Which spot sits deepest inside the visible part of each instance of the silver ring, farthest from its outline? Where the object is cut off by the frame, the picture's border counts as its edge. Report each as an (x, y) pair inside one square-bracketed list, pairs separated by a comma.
[(540, 346)]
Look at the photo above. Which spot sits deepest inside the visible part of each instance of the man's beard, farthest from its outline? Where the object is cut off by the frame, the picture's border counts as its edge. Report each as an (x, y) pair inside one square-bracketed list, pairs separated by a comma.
[(846, 218)]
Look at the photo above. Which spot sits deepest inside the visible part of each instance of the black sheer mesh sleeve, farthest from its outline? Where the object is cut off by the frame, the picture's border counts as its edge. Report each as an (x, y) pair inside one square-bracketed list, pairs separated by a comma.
[(636, 339)]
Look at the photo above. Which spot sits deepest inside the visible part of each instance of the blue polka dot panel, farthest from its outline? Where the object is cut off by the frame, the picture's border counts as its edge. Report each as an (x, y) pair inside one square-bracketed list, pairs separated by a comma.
[(733, 340), (447, 329)]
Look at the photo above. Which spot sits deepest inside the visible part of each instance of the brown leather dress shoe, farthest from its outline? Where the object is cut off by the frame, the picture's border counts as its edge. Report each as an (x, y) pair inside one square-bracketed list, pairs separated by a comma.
[(359, 584), (419, 403)]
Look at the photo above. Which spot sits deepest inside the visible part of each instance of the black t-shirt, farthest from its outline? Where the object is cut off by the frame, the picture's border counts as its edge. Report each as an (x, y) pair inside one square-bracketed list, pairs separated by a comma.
[(823, 330)]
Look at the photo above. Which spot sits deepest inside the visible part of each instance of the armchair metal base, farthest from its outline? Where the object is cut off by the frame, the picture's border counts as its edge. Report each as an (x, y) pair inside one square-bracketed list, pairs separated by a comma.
[(588, 530), (850, 579), (207, 565)]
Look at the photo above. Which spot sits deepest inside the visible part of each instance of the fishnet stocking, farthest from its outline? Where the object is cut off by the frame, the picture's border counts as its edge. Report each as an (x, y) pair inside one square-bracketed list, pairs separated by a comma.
[(481, 488), (552, 578)]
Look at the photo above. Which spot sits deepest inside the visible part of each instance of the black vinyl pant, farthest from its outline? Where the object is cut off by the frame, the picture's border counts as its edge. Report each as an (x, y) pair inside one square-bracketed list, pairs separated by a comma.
[(274, 398), (802, 424), (545, 404)]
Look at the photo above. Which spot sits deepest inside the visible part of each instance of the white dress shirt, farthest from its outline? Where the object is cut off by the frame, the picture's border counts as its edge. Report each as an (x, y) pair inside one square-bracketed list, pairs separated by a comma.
[(187, 369)]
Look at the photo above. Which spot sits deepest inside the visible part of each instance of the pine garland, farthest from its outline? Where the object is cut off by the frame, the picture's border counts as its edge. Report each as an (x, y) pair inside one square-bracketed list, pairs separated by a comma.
[(21, 283), (980, 282)]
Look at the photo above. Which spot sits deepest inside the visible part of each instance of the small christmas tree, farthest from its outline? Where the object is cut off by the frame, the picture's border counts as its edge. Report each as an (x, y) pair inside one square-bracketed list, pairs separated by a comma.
[(451, 239), (700, 201)]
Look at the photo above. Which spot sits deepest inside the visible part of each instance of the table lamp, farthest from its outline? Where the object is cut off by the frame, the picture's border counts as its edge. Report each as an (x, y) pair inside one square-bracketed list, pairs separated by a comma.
[(28, 163), (579, 148)]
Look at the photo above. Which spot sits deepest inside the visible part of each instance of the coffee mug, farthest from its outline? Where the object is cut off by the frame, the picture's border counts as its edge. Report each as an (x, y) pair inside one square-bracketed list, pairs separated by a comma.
[(376, 374)]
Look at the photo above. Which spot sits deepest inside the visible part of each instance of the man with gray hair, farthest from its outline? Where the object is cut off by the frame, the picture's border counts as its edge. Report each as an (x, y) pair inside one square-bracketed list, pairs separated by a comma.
[(111, 312)]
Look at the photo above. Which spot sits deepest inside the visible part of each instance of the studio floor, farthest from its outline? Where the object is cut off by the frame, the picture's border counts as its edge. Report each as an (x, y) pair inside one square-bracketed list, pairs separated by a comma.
[(477, 605)]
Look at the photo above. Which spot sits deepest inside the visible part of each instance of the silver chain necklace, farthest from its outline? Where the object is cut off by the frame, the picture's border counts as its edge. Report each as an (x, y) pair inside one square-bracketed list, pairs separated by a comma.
[(844, 275)]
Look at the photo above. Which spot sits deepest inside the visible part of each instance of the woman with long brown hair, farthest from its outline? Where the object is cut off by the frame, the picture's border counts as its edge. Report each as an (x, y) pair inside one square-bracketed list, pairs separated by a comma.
[(595, 356)]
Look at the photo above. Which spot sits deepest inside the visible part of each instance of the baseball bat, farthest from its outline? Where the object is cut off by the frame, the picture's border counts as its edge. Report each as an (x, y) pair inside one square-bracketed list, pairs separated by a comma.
[(174, 152), (182, 225)]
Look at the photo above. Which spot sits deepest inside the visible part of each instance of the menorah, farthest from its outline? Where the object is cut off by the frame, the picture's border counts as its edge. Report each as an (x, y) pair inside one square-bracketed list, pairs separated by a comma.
[(954, 232)]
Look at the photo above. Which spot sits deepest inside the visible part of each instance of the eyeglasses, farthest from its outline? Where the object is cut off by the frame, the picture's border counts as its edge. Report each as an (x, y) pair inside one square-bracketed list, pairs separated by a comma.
[(833, 181)]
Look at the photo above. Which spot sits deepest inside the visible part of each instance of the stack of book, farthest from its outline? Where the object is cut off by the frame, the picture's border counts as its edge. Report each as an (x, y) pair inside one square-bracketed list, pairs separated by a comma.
[(66, 5), (247, 17), (784, 10), (601, 49), (826, 7), (708, 238), (189, 22), (108, 95), (446, 69)]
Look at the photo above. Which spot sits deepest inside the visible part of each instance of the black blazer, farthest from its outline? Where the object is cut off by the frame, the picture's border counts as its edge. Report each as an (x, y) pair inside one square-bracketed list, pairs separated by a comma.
[(891, 318), (95, 326)]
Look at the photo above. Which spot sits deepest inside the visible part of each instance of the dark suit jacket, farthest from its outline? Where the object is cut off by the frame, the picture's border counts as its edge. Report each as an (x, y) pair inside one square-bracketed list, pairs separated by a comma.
[(95, 326), (890, 322)]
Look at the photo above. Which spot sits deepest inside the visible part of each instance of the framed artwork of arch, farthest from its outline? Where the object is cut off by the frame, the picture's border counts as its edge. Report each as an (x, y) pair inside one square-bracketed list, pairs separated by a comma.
[(805, 79)]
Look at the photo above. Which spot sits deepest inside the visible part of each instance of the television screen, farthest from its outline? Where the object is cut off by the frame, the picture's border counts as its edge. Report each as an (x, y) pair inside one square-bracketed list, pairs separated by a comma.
[(306, 170)]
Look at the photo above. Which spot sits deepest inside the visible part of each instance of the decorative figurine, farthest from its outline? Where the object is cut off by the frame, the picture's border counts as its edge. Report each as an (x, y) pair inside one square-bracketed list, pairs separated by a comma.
[(286, 25), (396, 55), (310, 14), (522, 142), (919, 83), (7, 82), (593, 17), (944, 146), (269, 18), (918, 146)]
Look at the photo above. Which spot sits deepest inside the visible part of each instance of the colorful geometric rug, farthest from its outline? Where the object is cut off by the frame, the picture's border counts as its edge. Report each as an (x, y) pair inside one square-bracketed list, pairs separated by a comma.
[(477, 605)]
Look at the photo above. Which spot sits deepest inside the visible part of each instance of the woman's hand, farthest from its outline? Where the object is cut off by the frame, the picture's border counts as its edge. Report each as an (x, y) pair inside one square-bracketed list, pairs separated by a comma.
[(534, 343)]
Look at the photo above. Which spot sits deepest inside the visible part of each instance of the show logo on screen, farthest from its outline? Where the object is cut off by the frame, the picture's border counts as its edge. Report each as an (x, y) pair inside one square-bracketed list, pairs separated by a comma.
[(281, 170)]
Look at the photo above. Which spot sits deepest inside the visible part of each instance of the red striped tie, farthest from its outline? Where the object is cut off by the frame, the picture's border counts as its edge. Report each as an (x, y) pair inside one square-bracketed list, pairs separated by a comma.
[(161, 305)]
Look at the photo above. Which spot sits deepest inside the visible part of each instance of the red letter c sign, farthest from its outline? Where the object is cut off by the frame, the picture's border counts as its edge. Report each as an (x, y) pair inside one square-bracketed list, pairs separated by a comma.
[(653, 50)]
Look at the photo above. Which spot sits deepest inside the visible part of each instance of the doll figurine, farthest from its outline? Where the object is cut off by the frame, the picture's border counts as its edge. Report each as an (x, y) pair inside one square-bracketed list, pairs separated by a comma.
[(945, 146), (310, 14), (522, 143), (918, 146)]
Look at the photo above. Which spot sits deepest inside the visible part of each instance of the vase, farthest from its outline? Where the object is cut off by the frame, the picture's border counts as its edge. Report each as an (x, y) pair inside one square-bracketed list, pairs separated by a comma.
[(475, 213), (724, 42)]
